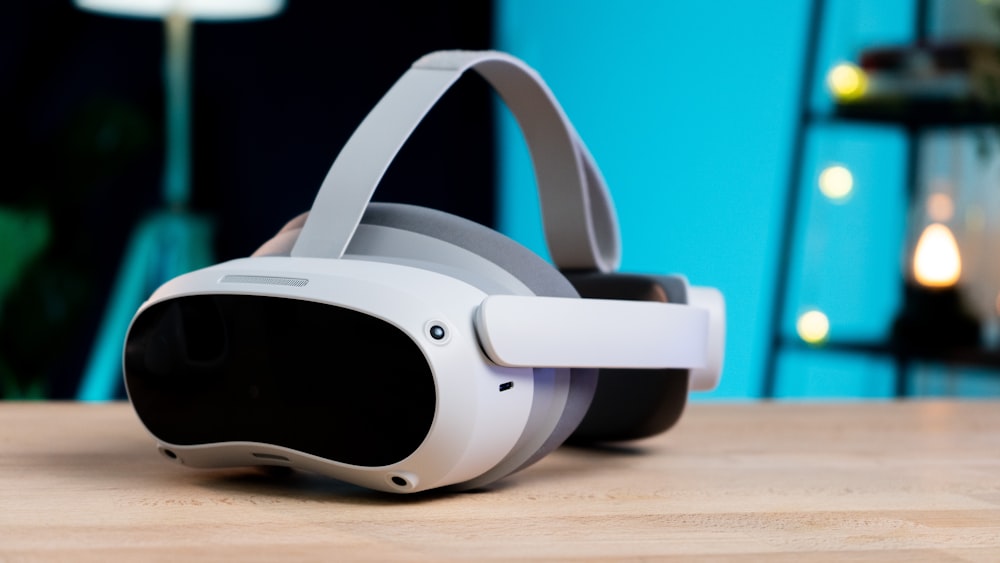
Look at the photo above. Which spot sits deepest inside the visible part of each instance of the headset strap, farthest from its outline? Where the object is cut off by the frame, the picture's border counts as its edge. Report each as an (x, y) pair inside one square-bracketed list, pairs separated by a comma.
[(580, 224)]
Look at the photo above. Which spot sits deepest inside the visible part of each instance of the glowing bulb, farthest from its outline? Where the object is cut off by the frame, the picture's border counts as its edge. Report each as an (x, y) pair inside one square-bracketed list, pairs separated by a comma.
[(936, 261), (836, 182), (847, 81), (813, 327), (940, 207)]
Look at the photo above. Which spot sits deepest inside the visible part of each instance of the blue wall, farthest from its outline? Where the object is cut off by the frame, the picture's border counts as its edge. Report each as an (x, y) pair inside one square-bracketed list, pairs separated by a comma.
[(688, 107), (690, 110)]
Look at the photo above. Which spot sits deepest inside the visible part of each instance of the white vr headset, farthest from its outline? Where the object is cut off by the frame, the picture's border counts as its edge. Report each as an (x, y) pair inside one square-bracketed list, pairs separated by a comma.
[(403, 349)]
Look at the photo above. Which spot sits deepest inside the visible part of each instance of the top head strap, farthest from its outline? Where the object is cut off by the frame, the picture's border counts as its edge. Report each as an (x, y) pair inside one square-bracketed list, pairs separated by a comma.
[(581, 228)]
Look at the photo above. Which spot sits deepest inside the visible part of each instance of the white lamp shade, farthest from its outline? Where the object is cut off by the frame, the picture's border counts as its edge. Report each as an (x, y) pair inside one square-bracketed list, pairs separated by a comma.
[(220, 10)]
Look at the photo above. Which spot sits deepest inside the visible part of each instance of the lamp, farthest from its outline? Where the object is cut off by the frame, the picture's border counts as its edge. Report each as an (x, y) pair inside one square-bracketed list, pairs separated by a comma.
[(934, 318), (172, 240)]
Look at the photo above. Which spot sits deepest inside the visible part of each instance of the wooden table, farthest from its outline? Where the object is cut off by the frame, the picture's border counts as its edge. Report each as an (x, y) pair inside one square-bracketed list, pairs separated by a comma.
[(917, 481)]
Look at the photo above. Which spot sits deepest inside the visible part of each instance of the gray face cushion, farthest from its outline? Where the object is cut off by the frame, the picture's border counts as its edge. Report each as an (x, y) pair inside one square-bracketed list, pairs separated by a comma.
[(541, 277)]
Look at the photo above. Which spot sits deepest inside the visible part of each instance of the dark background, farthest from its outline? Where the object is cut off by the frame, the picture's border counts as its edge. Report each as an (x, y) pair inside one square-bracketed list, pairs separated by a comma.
[(81, 107)]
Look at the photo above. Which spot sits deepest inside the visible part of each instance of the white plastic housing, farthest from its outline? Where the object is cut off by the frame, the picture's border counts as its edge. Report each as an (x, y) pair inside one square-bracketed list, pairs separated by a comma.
[(707, 378), (564, 332), (475, 425)]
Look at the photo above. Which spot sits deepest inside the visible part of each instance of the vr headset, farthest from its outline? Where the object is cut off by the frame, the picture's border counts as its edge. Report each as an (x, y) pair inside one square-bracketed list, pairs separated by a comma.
[(403, 349)]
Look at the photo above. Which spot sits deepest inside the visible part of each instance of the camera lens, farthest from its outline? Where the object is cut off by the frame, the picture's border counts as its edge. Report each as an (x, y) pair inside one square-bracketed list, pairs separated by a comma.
[(437, 332)]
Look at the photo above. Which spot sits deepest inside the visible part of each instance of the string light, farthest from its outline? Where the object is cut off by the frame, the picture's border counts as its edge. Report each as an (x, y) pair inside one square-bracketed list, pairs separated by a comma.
[(813, 326), (847, 81), (836, 182)]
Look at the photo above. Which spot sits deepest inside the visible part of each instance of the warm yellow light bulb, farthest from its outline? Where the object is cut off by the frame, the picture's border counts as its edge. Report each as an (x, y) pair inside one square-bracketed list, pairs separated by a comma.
[(813, 327), (847, 81), (940, 207), (836, 182), (936, 260)]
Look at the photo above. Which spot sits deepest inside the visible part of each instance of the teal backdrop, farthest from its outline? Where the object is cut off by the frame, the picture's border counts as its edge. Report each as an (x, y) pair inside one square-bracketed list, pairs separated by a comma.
[(690, 109)]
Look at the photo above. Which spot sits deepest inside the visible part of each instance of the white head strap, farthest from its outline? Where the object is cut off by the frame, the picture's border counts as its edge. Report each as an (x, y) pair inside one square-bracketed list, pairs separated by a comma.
[(580, 224)]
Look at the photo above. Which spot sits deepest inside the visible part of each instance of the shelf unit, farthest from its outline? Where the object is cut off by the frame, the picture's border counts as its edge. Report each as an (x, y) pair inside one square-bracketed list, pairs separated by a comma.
[(912, 118)]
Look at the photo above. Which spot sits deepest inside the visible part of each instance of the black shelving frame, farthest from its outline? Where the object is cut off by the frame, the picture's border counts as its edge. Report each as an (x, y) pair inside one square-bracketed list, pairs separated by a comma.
[(806, 118)]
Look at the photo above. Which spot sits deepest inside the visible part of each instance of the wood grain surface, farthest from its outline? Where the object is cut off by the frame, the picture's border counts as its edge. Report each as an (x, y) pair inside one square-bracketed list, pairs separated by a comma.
[(880, 481)]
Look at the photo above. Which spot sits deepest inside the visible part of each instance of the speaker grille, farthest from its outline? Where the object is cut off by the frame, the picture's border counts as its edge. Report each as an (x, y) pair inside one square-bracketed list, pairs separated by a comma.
[(264, 280)]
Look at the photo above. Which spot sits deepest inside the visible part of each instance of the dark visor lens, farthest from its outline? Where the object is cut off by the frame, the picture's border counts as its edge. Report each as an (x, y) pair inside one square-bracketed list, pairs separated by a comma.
[(316, 378)]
